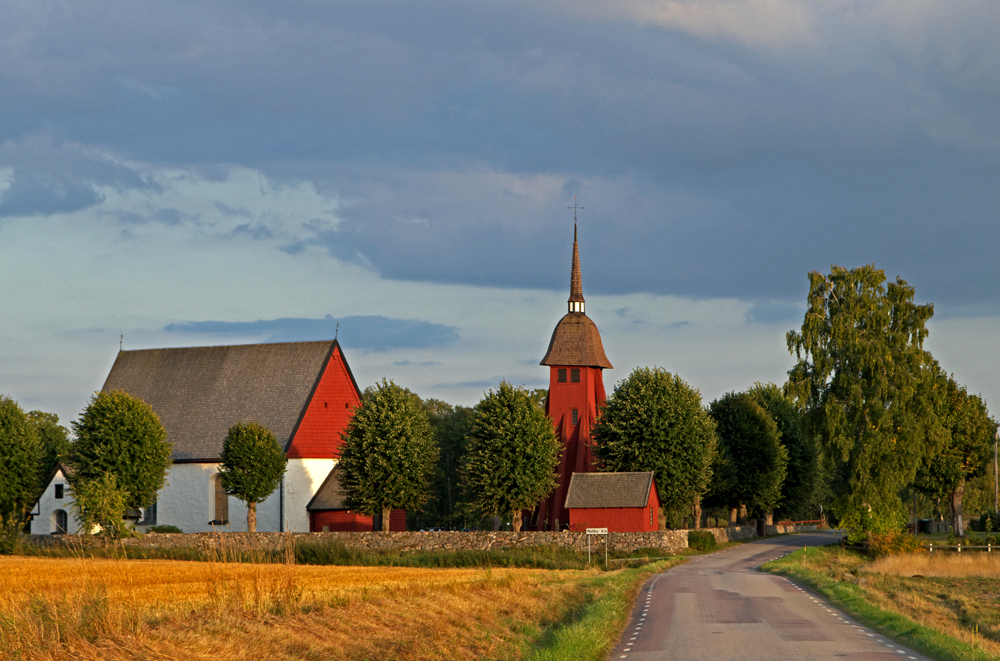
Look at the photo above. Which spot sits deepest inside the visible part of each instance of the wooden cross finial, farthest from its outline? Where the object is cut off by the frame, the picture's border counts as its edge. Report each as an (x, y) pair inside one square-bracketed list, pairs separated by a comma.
[(574, 208)]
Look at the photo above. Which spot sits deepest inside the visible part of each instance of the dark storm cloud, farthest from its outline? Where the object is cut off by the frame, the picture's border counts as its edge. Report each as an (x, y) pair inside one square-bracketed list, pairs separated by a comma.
[(714, 159), (51, 175), (370, 333)]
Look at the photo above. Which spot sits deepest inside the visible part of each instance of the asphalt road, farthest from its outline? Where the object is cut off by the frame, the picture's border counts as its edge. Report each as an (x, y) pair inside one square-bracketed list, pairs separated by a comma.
[(719, 606)]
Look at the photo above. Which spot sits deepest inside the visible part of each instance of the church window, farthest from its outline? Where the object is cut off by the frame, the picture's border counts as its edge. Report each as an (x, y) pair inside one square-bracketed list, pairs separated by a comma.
[(61, 522), (59, 491), (574, 376), (562, 376), (576, 416), (221, 503), (149, 515), (650, 517)]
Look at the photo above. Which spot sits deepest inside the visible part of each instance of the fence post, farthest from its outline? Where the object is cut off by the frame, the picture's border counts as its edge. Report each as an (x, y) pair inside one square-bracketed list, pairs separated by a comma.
[(932, 548)]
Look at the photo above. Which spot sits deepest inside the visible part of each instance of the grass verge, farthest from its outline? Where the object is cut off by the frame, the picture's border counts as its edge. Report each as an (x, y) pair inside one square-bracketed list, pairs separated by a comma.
[(876, 601), (592, 629)]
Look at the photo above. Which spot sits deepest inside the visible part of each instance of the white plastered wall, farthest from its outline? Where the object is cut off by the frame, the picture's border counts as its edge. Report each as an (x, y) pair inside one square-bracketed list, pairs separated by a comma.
[(44, 521), (303, 478), (188, 500)]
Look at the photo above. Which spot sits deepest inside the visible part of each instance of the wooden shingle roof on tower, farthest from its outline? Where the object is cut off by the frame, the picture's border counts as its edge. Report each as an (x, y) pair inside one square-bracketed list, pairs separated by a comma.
[(576, 340), (199, 392)]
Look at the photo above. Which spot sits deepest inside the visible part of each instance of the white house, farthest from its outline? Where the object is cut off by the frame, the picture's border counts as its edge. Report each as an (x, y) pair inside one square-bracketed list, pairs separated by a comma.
[(53, 513), (304, 392)]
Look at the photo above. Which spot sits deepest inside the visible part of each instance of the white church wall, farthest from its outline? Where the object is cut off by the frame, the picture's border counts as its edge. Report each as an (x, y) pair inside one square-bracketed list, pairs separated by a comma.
[(303, 478), (188, 500), (45, 518)]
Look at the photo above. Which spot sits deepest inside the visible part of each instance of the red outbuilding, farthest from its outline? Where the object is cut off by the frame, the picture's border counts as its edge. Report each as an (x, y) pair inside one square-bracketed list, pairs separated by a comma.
[(620, 502), (328, 513)]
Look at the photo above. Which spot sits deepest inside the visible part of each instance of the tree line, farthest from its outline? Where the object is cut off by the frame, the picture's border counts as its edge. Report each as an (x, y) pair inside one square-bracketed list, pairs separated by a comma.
[(867, 421)]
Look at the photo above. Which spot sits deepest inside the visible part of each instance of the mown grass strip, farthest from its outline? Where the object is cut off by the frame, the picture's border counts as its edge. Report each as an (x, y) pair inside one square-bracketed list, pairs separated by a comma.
[(851, 599), (591, 630)]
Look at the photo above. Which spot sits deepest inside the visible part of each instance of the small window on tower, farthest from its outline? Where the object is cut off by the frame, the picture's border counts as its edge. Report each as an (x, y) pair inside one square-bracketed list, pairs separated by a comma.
[(576, 416), (562, 376), (59, 491), (574, 376)]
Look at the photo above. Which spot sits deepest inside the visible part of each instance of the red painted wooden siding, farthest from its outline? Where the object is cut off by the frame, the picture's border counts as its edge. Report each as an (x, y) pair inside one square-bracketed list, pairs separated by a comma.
[(577, 456), (329, 411), (350, 521), (618, 519)]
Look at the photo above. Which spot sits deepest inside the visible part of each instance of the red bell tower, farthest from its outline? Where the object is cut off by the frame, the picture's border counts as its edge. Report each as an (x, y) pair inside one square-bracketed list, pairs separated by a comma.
[(576, 364)]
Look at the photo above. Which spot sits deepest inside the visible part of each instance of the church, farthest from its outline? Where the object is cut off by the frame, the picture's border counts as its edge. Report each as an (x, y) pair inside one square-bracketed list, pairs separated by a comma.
[(576, 363)]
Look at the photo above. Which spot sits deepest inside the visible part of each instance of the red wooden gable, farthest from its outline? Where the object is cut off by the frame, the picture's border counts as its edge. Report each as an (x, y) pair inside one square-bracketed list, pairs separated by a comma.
[(329, 410)]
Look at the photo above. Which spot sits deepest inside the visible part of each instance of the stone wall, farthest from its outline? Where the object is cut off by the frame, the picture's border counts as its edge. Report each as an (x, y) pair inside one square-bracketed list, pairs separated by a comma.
[(667, 540)]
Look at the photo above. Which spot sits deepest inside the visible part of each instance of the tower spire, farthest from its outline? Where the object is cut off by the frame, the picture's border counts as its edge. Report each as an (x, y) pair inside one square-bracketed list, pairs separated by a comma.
[(576, 300)]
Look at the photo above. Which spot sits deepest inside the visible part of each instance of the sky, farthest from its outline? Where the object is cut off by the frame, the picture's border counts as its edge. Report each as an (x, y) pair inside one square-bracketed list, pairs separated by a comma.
[(222, 172)]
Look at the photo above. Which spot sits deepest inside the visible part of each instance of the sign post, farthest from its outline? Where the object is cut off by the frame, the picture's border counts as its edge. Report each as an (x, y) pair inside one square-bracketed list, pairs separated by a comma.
[(598, 531)]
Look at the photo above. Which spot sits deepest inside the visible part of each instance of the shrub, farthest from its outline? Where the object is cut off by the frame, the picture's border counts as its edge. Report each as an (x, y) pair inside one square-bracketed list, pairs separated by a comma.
[(701, 540), (988, 522), (893, 543), (164, 529)]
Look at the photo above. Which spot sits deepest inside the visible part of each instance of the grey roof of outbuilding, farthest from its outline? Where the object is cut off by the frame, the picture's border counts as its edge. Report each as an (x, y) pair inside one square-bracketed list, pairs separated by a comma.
[(594, 490), (199, 392), (330, 495)]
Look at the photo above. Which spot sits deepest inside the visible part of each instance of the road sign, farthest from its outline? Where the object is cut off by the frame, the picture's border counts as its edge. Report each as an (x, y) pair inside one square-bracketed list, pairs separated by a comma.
[(597, 531)]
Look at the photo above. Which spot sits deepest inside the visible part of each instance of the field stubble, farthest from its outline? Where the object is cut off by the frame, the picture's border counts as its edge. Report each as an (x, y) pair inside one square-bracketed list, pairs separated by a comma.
[(956, 594), (126, 609)]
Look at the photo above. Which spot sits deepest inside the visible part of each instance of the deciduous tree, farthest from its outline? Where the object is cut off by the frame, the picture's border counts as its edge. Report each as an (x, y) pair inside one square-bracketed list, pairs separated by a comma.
[(864, 382), (121, 435), (753, 455), (512, 455), (963, 451), (251, 466), (20, 454), (802, 486), (54, 441), (654, 421), (449, 505), (388, 456)]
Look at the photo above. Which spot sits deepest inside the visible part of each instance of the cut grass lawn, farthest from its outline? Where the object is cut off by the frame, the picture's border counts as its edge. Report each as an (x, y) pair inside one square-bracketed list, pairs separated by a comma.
[(953, 616), (129, 609)]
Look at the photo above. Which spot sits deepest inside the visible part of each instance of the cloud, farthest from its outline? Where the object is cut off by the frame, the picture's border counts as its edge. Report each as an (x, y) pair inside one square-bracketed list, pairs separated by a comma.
[(409, 363), (49, 175), (369, 333), (528, 381), (774, 312), (771, 23)]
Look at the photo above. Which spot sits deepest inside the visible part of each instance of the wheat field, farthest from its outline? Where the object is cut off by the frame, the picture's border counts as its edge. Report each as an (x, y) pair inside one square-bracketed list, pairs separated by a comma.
[(130, 609), (952, 565)]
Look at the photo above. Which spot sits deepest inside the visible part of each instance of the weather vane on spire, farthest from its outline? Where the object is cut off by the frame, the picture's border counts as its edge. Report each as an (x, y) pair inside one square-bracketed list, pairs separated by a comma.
[(574, 208)]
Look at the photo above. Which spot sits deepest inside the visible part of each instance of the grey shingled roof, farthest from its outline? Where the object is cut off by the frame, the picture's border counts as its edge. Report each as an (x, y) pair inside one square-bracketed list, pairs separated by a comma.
[(199, 392), (330, 495), (591, 490)]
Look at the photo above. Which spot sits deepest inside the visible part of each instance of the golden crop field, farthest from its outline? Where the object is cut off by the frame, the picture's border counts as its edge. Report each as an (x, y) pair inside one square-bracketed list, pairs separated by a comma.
[(953, 565), (127, 609)]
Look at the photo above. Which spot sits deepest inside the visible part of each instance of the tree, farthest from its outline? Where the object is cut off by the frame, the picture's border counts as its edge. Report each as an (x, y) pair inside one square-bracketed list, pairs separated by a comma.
[(388, 455), (654, 421), (121, 435), (251, 466), (754, 457), (512, 455), (800, 491), (99, 504), (864, 382), (54, 440), (964, 450), (449, 505), (20, 454)]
